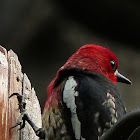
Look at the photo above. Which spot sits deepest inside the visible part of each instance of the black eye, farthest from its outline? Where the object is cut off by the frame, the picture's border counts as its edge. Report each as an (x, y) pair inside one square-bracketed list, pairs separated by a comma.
[(113, 65)]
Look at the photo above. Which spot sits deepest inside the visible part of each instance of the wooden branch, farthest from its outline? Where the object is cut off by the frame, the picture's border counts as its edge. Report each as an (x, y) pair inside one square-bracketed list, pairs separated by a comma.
[(13, 80)]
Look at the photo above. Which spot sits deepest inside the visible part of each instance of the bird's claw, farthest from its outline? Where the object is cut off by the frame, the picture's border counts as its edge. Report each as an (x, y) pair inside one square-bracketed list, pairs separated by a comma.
[(22, 106), (18, 123), (25, 117)]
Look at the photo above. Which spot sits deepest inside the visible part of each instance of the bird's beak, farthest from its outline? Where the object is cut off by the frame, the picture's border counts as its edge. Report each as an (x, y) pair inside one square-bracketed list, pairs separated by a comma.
[(123, 79)]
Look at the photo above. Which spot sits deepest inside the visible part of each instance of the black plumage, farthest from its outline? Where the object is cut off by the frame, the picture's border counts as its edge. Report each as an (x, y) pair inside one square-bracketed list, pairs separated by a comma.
[(98, 103)]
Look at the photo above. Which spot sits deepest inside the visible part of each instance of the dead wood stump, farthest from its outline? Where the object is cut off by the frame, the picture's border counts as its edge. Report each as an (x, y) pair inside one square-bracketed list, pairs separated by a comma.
[(12, 80)]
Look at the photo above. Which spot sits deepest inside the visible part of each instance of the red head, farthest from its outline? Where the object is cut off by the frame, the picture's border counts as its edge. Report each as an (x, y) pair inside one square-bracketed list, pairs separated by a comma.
[(95, 58)]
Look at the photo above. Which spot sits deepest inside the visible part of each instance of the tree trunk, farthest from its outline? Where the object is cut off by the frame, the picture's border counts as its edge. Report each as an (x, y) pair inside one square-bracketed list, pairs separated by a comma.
[(12, 80)]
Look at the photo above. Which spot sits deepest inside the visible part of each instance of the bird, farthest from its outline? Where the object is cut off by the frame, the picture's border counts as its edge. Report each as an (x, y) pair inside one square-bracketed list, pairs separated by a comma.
[(83, 101)]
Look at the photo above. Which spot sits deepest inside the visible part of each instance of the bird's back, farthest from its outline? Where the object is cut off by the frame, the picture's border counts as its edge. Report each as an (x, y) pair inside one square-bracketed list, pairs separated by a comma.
[(82, 106)]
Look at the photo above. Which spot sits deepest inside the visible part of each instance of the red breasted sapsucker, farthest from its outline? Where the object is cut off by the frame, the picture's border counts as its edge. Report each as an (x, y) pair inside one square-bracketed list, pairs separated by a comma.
[(83, 101)]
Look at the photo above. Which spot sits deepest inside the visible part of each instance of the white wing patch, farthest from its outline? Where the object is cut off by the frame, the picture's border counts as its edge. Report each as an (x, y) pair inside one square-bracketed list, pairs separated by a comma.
[(69, 94)]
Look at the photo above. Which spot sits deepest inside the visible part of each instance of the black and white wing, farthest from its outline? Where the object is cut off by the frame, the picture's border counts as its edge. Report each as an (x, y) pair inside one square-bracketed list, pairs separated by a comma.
[(94, 106)]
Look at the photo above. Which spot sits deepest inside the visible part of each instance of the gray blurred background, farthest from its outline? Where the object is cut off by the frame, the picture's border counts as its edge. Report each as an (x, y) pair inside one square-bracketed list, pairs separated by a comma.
[(44, 33)]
